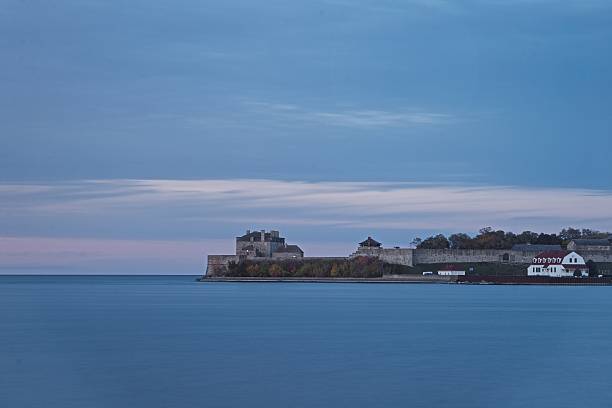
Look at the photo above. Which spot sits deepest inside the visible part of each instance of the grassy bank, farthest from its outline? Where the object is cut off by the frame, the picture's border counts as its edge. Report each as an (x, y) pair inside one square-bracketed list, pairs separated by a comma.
[(360, 267)]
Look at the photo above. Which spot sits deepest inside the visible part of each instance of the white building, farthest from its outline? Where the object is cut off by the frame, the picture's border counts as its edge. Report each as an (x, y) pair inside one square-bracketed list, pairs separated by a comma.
[(558, 264), (451, 272)]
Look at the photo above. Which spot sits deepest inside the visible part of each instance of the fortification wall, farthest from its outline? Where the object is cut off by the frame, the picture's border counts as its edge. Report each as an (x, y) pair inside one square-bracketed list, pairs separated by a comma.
[(411, 257), (398, 256), (426, 256), (217, 264)]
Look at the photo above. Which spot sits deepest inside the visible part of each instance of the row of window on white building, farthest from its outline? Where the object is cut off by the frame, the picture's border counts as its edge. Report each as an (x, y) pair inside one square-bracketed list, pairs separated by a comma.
[(549, 269), (550, 260)]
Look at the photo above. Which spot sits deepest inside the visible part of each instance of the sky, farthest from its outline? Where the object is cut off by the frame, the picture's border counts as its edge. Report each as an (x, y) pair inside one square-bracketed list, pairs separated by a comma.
[(140, 137)]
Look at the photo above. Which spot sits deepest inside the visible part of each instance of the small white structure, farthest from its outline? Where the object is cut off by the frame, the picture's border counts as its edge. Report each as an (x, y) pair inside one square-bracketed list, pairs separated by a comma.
[(558, 264), (451, 273), (427, 273)]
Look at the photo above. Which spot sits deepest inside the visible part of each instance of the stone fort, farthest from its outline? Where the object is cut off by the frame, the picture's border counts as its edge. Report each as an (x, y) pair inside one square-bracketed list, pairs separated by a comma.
[(256, 246), (265, 246)]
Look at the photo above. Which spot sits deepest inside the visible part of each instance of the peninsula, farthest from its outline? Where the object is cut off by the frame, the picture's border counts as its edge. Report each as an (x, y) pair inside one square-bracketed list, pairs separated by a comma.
[(572, 257)]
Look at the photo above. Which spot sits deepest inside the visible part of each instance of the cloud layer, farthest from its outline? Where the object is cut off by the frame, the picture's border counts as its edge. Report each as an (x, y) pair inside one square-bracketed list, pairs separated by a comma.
[(349, 204), (352, 118)]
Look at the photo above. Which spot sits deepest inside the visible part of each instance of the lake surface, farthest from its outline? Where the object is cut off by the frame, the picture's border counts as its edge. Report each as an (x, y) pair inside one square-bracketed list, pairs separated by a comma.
[(173, 342)]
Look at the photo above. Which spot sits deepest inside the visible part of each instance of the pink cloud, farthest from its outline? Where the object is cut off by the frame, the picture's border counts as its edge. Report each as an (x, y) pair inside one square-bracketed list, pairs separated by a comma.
[(86, 254)]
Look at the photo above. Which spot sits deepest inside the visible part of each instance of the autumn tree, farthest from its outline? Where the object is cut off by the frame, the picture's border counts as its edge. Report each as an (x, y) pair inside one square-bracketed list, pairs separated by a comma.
[(460, 241), (275, 271), (252, 270), (436, 242)]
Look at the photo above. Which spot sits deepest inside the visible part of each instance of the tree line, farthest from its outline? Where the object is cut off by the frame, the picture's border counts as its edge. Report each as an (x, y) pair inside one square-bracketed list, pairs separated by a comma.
[(487, 238)]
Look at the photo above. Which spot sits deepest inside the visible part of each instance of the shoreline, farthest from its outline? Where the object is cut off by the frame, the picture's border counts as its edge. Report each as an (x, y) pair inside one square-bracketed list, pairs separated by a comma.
[(390, 279), (473, 280)]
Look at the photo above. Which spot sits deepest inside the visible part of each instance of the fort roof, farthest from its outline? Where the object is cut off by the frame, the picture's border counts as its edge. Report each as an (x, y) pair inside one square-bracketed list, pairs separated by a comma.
[(271, 236), (370, 242), (290, 249), (535, 247)]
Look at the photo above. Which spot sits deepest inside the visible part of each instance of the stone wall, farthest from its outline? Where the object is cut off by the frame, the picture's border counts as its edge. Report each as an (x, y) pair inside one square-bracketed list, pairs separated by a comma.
[(425, 256), (411, 257), (398, 256), (217, 264)]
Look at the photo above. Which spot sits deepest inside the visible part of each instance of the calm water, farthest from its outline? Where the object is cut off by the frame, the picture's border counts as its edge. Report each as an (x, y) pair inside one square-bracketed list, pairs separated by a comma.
[(172, 342)]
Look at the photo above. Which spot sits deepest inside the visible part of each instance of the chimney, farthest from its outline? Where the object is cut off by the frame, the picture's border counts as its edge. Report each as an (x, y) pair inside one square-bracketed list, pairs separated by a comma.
[(263, 235)]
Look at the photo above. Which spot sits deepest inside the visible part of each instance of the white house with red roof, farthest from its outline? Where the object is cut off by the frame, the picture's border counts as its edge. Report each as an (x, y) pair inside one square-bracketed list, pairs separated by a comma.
[(558, 264)]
